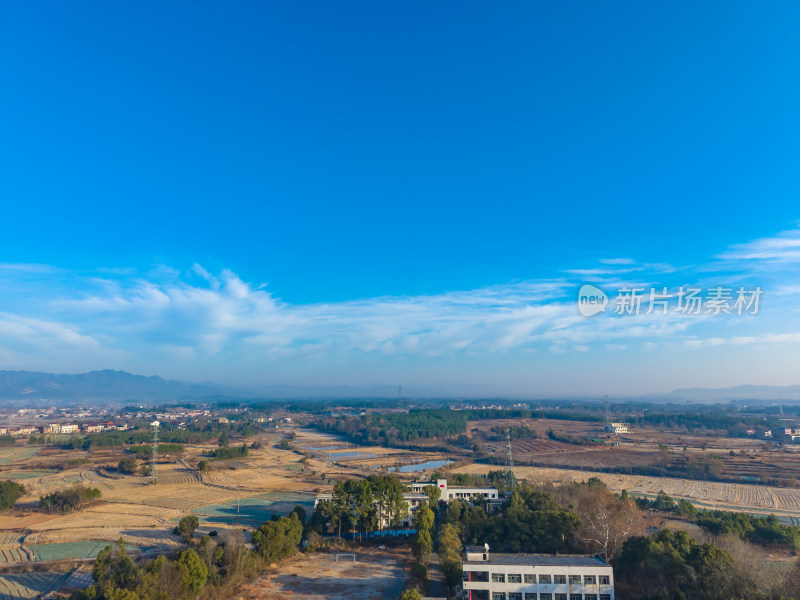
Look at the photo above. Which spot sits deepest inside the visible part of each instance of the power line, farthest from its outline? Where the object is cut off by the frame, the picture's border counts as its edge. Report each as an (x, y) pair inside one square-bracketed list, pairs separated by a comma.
[(153, 474)]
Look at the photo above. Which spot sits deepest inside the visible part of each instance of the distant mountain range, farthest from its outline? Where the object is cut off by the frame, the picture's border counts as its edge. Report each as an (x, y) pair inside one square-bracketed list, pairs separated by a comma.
[(98, 385), (35, 388), (30, 387), (789, 393)]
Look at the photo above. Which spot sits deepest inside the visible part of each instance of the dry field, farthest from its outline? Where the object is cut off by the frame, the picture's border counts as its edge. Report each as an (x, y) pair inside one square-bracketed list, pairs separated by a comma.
[(375, 575), (752, 460), (23, 586), (706, 494), (132, 508)]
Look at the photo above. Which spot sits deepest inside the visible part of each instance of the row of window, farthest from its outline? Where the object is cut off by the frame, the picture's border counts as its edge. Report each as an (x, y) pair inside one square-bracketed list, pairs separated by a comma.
[(546, 579), (529, 596)]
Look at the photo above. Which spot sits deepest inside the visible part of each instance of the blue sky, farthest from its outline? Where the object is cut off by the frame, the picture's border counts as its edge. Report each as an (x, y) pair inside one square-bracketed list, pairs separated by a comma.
[(354, 193)]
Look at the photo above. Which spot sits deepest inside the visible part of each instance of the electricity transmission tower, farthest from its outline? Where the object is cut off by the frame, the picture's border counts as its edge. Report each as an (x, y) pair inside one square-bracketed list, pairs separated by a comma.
[(153, 474), (608, 412), (509, 473)]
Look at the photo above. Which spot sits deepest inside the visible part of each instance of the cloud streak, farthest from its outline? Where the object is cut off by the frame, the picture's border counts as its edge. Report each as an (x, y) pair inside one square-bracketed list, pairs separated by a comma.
[(204, 320)]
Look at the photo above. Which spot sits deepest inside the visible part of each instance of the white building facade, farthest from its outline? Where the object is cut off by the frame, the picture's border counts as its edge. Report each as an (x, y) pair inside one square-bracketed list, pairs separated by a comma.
[(617, 428), (456, 492), (496, 576)]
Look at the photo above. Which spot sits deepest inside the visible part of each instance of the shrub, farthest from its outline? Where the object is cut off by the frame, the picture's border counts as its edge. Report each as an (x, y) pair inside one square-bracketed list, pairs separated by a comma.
[(68, 500), (10, 492), (187, 526), (127, 465), (279, 539)]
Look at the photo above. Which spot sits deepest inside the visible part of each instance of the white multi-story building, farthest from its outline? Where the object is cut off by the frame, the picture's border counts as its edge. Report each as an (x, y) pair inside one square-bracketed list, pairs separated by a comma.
[(496, 576), (617, 428), (456, 492)]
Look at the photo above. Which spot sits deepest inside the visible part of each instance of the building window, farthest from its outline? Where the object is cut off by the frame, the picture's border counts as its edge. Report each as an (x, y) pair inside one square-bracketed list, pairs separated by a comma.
[(545, 596), (560, 596), (573, 579), (576, 597), (514, 596), (498, 578), (530, 578), (530, 596), (605, 580), (544, 579), (498, 596), (560, 579), (589, 579), (514, 578), (605, 596), (590, 597)]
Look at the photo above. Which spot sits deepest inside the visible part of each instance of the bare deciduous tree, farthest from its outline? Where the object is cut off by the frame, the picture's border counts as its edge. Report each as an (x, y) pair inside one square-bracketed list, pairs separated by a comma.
[(607, 521)]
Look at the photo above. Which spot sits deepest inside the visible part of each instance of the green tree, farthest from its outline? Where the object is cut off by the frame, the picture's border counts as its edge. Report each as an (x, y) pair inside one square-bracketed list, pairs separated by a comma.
[(127, 465), (450, 555), (422, 546), (194, 569), (434, 493), (187, 526), (686, 509), (410, 595), (300, 511), (276, 540), (10, 492), (672, 564), (423, 517)]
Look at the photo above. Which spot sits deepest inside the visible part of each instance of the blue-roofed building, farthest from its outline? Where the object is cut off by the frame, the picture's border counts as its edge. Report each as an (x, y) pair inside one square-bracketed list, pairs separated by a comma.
[(497, 576)]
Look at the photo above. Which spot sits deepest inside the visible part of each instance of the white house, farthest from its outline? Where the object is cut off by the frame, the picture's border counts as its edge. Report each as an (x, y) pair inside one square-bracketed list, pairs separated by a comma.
[(617, 428)]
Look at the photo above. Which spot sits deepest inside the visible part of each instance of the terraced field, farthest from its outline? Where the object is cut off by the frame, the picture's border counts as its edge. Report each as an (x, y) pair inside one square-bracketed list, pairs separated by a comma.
[(66, 550), (144, 514), (23, 586), (9, 454), (12, 550)]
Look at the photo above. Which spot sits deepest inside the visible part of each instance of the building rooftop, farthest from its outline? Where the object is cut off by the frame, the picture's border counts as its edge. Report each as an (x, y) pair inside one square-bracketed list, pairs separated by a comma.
[(543, 560)]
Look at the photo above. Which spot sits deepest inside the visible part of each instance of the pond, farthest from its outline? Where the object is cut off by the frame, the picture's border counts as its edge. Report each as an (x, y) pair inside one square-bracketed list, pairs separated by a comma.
[(423, 466)]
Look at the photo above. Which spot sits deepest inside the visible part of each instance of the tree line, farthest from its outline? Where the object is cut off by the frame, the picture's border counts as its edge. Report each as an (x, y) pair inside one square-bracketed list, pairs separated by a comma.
[(68, 500), (361, 506), (206, 569)]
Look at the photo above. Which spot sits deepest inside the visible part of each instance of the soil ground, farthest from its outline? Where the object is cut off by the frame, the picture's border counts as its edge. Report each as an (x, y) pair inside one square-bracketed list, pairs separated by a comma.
[(375, 575)]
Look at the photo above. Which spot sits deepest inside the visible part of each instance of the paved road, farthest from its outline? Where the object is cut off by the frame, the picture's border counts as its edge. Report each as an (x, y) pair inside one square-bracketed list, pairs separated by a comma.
[(436, 586)]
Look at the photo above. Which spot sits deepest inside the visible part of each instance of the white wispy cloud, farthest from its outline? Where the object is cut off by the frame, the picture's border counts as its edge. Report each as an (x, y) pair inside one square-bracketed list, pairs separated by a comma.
[(783, 247), (199, 316)]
